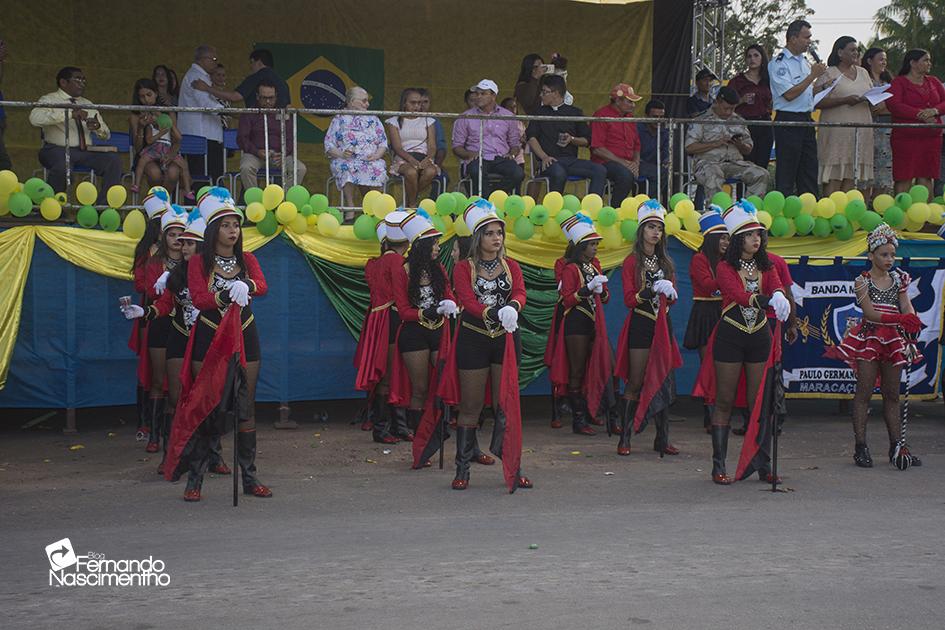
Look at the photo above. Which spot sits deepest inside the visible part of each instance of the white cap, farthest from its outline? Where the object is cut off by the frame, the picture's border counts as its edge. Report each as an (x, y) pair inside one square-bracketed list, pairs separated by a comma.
[(157, 202), (741, 217), (394, 220), (480, 212), (580, 228), (175, 217), (417, 226), (216, 203), (486, 84), (651, 211), (381, 230), (196, 226)]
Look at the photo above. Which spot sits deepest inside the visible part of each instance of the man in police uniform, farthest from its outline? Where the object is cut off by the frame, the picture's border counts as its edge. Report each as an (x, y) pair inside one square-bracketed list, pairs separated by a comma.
[(719, 150), (792, 78)]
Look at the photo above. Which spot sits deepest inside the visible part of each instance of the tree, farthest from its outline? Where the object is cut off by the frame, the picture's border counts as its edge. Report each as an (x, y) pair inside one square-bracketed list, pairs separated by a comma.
[(757, 22), (905, 24)]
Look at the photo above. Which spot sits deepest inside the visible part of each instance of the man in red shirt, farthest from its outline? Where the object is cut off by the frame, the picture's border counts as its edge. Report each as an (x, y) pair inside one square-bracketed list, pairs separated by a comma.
[(617, 145)]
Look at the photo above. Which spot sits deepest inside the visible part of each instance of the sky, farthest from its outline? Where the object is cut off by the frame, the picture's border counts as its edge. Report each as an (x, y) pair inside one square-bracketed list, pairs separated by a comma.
[(835, 18)]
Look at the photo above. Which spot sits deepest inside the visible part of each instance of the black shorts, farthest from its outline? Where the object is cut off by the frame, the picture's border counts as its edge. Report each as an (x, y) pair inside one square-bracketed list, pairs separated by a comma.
[(392, 327), (414, 337), (176, 344), (735, 346), (158, 331), (578, 323), (204, 336), (475, 351)]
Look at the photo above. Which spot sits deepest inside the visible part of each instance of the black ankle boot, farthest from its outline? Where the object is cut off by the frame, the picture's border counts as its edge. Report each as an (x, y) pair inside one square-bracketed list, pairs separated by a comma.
[(719, 452), (156, 422), (246, 455), (413, 419), (861, 455), (464, 452), (382, 419), (626, 426), (398, 424), (579, 414)]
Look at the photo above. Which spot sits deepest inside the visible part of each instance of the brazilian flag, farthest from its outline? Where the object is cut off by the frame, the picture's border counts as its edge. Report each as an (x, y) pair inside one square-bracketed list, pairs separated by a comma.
[(319, 75)]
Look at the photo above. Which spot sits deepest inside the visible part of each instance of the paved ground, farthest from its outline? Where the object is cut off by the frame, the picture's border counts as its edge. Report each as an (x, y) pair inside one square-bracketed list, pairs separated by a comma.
[(353, 539)]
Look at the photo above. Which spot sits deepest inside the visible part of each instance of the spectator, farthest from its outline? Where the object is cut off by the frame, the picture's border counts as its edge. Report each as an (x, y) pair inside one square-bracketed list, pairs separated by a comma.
[(413, 141), (754, 92), (701, 100), (560, 65), (500, 142), (648, 133), (425, 104), (874, 60), (205, 125), (156, 140), (5, 163), (251, 139), (719, 150), (470, 99), (261, 65), (526, 88), (82, 124), (792, 80), (917, 96), (511, 104), (168, 86), (356, 146), (617, 145), (556, 143), (218, 81), (838, 148)]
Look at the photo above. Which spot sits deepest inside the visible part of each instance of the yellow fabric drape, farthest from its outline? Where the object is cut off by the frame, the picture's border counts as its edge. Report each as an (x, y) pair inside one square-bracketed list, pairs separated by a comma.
[(16, 253)]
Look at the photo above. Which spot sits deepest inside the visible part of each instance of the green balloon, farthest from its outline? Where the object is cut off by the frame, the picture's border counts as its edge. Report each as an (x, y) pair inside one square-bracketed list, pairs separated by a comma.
[(792, 207), (524, 229), (722, 199), (870, 220), (903, 201), (319, 203), (21, 205), (839, 222), (895, 215), (676, 199), (269, 225), (845, 233), (607, 216), (628, 230), (33, 189), (335, 212), (855, 210), (571, 203), (87, 217), (822, 227), (446, 204), (939, 200), (538, 215), (252, 195), (164, 121), (306, 210), (201, 192), (804, 224), (438, 223), (919, 193), (514, 206), (774, 202), (563, 215), (109, 220), (298, 195), (779, 227), (461, 202), (364, 228), (756, 201)]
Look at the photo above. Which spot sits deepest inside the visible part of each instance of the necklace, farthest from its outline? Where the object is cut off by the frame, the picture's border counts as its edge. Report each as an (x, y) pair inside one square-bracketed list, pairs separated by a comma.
[(489, 265), (651, 263), (226, 263), (749, 266)]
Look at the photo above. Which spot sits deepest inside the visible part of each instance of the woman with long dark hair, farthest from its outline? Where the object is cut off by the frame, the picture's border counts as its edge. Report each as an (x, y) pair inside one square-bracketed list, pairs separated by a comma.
[(167, 83), (876, 64), (881, 344), (413, 142), (707, 300), (526, 86), (491, 291), (742, 344), (754, 90)]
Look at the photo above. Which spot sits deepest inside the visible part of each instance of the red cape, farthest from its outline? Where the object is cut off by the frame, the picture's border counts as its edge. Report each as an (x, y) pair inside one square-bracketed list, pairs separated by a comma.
[(371, 355), (599, 367), (432, 412), (138, 343), (509, 403)]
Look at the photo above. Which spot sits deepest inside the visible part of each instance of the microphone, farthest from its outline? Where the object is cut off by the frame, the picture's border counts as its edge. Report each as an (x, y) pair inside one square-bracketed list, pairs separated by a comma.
[(813, 53)]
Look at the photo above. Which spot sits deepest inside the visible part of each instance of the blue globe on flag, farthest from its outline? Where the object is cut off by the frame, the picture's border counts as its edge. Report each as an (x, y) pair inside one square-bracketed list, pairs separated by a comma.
[(322, 89)]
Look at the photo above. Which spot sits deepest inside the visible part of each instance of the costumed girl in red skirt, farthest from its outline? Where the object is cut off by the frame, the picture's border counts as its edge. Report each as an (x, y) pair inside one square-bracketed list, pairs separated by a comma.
[(491, 292), (742, 345), (581, 364), (646, 350), (879, 346), (707, 300)]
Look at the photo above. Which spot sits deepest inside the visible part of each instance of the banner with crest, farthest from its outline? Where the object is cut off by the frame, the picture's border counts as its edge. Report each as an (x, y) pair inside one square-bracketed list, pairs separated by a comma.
[(826, 307)]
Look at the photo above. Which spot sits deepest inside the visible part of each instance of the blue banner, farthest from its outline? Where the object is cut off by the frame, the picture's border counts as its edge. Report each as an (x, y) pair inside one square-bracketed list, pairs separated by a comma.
[(826, 307)]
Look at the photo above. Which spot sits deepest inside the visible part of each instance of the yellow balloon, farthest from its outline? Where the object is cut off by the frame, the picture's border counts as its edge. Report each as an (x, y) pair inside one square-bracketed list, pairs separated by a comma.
[(86, 193), (628, 208), (673, 224), (497, 198), (50, 209), (286, 212), (685, 208), (447, 223), (367, 204), (854, 195), (825, 208), (808, 201), (461, 228), (839, 200), (764, 218), (691, 221), (384, 205), (327, 224), (882, 203), (61, 197), (551, 231), (936, 212), (554, 202), (299, 224), (591, 212), (426, 204), (529, 203), (592, 203), (116, 195), (311, 219), (610, 237), (912, 226), (8, 182), (134, 225), (919, 213), (255, 212), (272, 196), (4, 208)]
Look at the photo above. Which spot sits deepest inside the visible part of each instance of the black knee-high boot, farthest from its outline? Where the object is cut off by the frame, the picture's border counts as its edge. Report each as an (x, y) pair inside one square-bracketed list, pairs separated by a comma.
[(165, 438), (707, 418), (382, 418), (478, 456), (579, 414), (464, 453), (142, 408), (197, 464), (413, 419), (661, 444), (398, 424), (156, 419), (246, 455), (626, 426), (719, 452), (498, 432)]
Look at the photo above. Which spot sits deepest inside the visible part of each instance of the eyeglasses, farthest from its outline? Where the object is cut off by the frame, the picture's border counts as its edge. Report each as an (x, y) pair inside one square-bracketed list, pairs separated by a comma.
[(210, 57), (79, 79)]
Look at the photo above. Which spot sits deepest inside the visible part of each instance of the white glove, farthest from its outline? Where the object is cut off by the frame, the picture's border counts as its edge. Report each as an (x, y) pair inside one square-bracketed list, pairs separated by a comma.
[(666, 288), (133, 311), (509, 318), (781, 306), (161, 283), (596, 284), (447, 308), (239, 292)]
